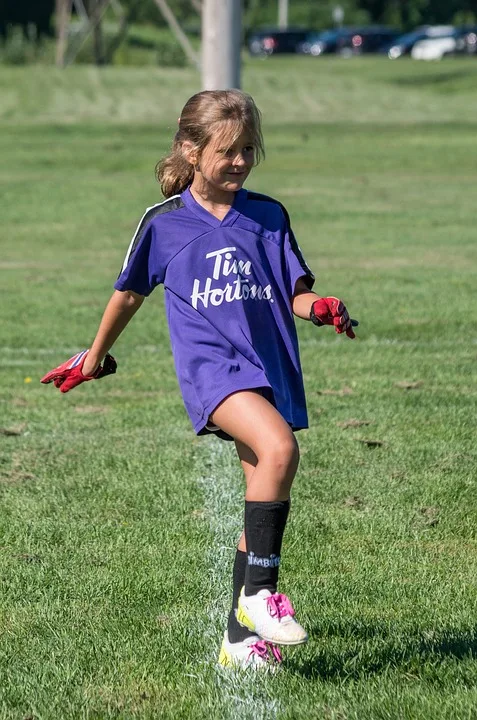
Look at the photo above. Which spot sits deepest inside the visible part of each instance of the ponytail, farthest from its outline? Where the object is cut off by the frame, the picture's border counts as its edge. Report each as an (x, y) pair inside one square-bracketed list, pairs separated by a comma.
[(173, 172)]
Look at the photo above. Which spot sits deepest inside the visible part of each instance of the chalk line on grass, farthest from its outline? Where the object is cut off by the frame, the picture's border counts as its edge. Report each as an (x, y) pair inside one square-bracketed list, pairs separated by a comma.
[(246, 695)]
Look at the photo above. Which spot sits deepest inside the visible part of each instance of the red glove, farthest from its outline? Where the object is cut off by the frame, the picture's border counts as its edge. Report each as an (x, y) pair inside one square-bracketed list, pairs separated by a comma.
[(68, 375), (331, 311)]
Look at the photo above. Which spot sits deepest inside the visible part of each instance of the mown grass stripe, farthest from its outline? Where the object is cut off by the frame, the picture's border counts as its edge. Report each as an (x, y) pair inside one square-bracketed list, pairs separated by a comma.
[(329, 341)]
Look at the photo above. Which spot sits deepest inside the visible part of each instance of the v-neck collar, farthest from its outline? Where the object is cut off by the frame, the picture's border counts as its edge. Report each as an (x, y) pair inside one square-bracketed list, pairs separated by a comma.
[(232, 215)]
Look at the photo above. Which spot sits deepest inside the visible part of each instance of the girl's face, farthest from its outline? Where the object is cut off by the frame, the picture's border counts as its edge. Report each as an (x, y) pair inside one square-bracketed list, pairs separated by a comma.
[(223, 167)]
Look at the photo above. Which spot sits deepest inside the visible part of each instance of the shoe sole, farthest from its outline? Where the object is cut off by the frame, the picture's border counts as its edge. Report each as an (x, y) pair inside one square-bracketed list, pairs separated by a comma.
[(227, 661), (244, 620), (288, 643)]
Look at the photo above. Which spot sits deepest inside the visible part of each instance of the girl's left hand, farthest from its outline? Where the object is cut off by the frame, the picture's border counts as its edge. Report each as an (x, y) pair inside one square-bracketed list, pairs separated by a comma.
[(332, 311)]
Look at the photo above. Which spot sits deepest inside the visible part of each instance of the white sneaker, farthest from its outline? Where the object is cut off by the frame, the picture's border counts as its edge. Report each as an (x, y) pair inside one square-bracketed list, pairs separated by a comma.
[(270, 615), (250, 653)]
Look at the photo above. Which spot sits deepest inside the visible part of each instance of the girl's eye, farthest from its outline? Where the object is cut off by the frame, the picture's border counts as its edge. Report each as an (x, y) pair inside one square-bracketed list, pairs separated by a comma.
[(232, 152)]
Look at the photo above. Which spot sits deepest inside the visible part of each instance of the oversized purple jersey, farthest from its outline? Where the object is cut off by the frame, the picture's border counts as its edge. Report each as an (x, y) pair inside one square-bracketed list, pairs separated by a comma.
[(228, 289)]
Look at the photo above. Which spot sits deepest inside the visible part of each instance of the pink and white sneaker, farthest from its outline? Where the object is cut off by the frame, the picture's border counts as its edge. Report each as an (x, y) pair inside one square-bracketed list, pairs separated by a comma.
[(270, 615), (250, 653)]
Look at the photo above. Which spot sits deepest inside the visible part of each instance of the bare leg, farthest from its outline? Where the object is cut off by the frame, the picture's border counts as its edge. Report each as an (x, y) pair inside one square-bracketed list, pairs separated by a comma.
[(248, 460), (261, 435), (268, 453)]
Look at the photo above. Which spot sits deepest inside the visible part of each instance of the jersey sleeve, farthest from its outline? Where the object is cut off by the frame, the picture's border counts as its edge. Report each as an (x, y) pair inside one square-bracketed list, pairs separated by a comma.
[(296, 266), (143, 267)]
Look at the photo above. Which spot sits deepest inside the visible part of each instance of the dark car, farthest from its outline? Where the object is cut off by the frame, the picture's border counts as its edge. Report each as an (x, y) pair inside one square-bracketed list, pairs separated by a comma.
[(327, 41), (366, 40), (272, 41), (403, 44), (466, 40)]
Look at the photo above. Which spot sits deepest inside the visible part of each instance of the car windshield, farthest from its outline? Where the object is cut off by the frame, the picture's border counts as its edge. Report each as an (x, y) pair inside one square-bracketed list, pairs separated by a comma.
[(438, 31), (326, 35), (411, 37)]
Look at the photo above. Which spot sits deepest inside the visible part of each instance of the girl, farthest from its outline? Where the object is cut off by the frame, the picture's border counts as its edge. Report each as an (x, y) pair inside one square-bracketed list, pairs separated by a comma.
[(233, 276)]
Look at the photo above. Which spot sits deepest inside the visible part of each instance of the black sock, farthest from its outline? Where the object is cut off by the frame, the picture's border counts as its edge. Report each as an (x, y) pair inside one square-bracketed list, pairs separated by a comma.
[(264, 527), (236, 632)]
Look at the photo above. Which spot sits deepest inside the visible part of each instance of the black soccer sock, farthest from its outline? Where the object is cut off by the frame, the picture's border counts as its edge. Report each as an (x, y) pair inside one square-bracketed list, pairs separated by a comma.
[(236, 632), (264, 527)]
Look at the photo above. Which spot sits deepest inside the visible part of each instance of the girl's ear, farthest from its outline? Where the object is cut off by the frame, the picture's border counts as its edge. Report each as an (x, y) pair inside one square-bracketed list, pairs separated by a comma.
[(189, 152)]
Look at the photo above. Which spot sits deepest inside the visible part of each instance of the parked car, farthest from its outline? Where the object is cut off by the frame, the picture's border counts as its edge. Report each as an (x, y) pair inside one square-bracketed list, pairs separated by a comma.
[(467, 43), (366, 40), (320, 43), (271, 41), (433, 48), (462, 40), (404, 43)]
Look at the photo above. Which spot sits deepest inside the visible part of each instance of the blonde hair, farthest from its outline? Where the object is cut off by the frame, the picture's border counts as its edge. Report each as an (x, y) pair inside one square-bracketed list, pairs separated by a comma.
[(198, 124)]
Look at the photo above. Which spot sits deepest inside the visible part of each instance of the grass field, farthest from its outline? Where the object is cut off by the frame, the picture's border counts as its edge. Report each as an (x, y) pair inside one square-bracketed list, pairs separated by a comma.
[(117, 525)]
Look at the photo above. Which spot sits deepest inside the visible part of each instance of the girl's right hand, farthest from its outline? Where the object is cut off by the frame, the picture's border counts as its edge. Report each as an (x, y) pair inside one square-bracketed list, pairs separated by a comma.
[(67, 376), (90, 365)]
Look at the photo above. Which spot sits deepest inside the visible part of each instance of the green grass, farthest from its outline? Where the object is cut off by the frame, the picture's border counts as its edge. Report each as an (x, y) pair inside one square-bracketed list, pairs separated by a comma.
[(292, 91), (117, 525)]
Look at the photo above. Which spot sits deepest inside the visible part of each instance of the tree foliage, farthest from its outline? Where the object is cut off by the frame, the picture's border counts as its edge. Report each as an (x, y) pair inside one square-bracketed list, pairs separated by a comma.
[(28, 14), (308, 13), (409, 13)]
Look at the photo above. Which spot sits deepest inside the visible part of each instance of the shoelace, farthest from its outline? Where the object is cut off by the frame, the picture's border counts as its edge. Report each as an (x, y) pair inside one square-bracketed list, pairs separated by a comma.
[(263, 650), (278, 605)]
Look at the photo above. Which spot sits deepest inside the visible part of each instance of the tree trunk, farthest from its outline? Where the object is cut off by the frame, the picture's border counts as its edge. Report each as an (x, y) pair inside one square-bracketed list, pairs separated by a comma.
[(182, 38), (63, 15), (96, 8)]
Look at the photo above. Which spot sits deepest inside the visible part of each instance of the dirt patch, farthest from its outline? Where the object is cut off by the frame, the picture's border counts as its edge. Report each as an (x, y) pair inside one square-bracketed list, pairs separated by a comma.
[(370, 442), (340, 393), (93, 409), (405, 385), (13, 431), (352, 422), (353, 501)]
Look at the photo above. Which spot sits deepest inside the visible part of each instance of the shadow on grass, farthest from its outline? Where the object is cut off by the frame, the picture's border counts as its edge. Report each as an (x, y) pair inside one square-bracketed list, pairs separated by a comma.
[(433, 79), (380, 652)]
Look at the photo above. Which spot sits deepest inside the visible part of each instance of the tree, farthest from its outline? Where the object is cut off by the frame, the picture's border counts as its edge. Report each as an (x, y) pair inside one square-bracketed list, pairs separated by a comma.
[(27, 13), (409, 13)]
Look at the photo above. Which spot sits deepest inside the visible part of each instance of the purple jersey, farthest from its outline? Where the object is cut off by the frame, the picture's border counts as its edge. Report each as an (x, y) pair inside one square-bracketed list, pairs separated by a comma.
[(228, 288)]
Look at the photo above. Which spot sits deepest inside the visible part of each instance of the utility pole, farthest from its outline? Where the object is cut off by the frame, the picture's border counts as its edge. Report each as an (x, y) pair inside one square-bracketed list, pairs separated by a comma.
[(221, 44), (283, 14)]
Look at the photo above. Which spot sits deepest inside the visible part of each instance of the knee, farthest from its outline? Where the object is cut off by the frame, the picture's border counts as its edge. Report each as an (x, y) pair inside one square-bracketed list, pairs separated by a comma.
[(283, 453)]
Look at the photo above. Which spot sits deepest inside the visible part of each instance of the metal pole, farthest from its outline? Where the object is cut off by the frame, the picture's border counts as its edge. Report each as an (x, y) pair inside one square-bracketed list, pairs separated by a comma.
[(283, 14), (221, 44)]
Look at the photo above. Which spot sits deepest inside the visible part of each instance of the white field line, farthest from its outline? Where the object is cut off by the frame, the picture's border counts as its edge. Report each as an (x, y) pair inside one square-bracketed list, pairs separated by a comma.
[(245, 695)]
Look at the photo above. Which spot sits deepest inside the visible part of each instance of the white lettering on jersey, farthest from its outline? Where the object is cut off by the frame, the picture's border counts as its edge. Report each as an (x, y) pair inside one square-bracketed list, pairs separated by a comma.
[(239, 289)]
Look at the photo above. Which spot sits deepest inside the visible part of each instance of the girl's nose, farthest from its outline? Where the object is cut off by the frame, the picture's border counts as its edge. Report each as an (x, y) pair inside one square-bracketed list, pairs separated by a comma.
[(239, 160)]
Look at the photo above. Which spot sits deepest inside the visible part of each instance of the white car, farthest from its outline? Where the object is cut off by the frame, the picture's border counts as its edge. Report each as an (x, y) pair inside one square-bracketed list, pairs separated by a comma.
[(404, 44), (434, 48)]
